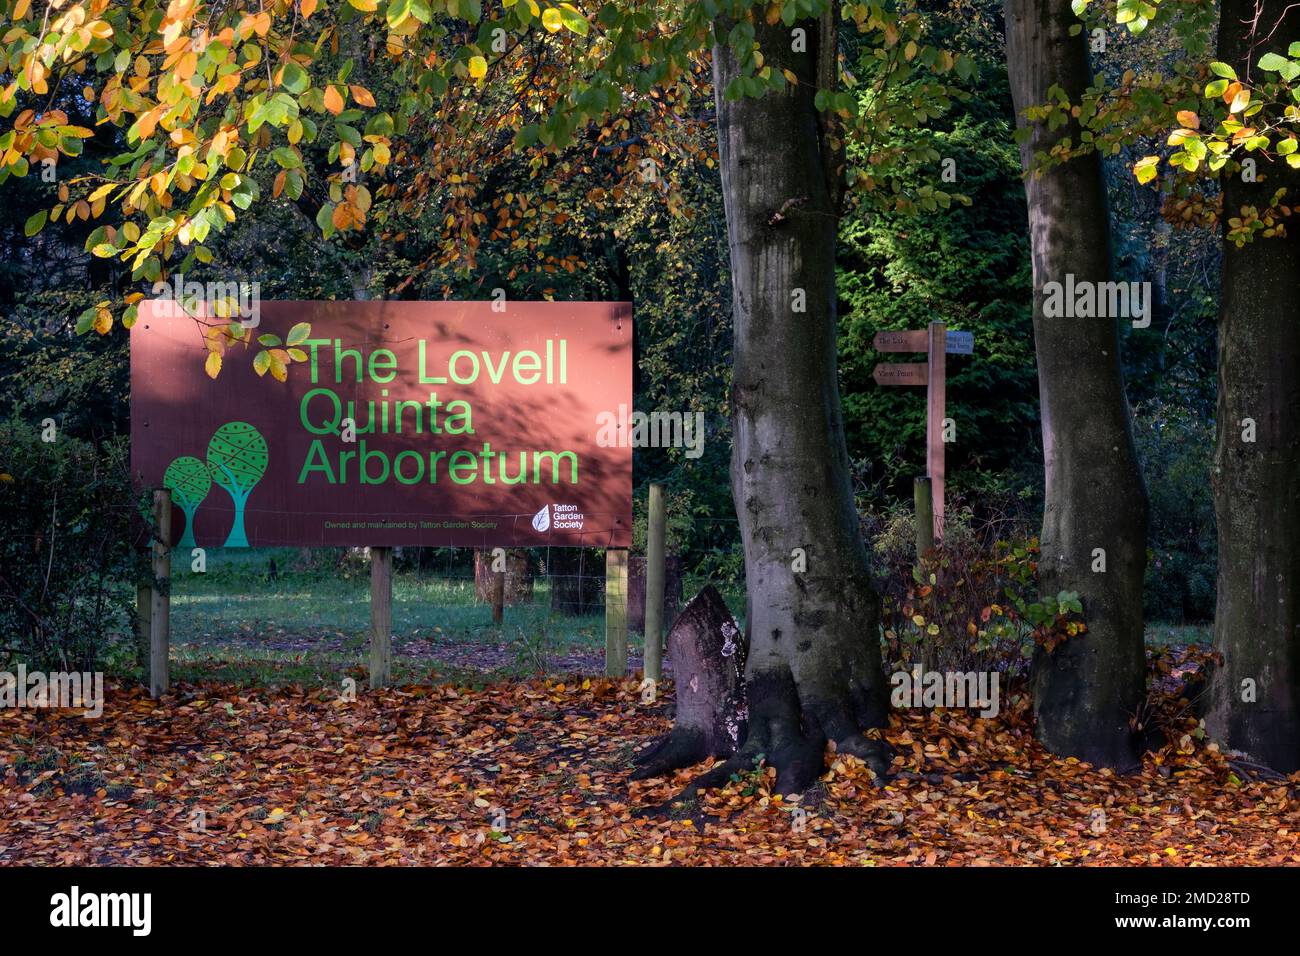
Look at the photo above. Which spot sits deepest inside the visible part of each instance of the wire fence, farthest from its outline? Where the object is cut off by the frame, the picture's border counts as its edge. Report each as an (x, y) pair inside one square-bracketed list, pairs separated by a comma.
[(304, 614)]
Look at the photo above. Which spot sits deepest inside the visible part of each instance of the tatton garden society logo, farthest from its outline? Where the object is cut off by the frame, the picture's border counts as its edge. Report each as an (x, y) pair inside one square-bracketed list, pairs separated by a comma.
[(558, 517)]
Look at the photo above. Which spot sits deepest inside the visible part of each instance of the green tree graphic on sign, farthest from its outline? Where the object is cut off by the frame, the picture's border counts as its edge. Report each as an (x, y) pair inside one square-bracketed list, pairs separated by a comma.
[(237, 458), (188, 480)]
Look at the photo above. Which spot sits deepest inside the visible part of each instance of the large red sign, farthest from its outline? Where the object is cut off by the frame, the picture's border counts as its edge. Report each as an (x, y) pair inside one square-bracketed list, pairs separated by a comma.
[(397, 423)]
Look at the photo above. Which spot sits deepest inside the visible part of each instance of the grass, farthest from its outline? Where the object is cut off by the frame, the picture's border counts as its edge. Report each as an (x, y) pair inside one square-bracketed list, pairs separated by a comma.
[(236, 622), (310, 625)]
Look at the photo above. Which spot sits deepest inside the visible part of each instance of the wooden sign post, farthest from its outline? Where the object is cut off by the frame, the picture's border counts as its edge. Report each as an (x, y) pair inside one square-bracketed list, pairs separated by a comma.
[(936, 342)]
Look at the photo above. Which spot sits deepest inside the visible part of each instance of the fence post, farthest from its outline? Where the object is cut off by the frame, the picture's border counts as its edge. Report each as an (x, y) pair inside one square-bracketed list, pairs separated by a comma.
[(924, 506), (160, 596), (615, 612), (381, 617), (654, 585), (936, 410), (498, 592)]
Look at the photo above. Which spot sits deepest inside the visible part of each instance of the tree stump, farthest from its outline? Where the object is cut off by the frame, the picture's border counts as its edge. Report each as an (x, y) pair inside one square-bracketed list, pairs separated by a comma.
[(708, 651), (636, 591), (519, 577)]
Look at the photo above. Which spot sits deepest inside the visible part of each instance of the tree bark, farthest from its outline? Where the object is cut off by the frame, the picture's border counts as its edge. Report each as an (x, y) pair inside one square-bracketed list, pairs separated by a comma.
[(814, 671), (519, 577), (1257, 484), (708, 654), (1089, 687), (636, 568)]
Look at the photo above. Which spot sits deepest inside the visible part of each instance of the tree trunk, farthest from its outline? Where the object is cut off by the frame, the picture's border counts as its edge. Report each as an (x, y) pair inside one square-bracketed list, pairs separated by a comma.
[(1257, 484), (814, 670), (1088, 688), (636, 572), (519, 577), (708, 654)]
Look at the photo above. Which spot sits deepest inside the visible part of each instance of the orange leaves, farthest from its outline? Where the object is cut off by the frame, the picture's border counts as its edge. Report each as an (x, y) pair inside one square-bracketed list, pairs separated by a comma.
[(536, 772), (259, 23), (333, 100), (361, 95)]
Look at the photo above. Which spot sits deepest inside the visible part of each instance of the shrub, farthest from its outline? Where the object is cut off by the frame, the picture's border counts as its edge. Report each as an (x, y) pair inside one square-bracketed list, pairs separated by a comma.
[(67, 565), (971, 606)]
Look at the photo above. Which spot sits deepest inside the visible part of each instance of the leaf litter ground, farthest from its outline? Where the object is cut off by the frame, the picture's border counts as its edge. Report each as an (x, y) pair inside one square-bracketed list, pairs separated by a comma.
[(537, 773)]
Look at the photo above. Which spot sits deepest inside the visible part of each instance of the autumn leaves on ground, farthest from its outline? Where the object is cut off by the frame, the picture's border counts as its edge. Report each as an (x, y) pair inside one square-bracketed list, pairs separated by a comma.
[(537, 773)]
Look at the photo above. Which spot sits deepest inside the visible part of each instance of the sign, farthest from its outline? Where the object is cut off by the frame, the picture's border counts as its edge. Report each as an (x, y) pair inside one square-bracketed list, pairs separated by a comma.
[(937, 342), (960, 343), (915, 340), (399, 423), (900, 373)]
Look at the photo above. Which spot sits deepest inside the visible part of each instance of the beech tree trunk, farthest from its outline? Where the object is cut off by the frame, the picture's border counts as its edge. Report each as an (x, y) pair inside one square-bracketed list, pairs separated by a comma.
[(814, 670), (1087, 690), (1253, 700), (708, 655)]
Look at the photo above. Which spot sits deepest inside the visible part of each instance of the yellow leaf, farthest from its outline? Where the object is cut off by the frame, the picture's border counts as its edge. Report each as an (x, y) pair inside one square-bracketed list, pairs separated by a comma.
[(103, 321), (213, 365), (478, 65), (551, 20)]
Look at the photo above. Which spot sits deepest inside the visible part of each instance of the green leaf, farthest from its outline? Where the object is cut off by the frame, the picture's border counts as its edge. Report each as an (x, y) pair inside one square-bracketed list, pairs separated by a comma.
[(298, 334), (286, 157), (1222, 69), (574, 20), (397, 12), (35, 223), (1215, 88), (1273, 63), (325, 219), (294, 78)]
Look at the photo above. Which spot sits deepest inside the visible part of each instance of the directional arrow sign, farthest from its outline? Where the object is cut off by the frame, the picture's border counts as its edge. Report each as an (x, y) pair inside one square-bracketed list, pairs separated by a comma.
[(956, 343), (900, 341), (959, 343), (900, 373)]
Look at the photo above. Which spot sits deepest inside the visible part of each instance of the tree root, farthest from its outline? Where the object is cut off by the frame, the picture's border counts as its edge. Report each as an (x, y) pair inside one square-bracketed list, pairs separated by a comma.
[(782, 733)]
